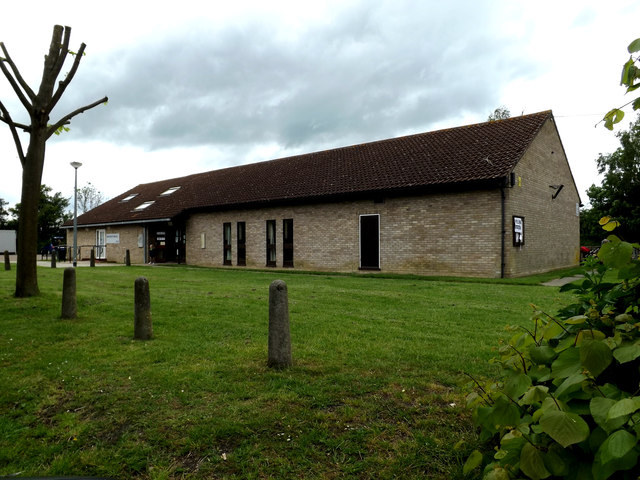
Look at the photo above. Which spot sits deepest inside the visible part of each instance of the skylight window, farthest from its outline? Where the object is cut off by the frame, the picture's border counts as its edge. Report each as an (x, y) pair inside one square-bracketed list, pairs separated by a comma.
[(169, 191), (144, 205), (128, 197)]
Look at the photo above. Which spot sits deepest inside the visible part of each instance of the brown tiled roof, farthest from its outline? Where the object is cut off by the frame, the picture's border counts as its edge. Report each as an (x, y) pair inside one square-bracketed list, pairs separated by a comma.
[(469, 154)]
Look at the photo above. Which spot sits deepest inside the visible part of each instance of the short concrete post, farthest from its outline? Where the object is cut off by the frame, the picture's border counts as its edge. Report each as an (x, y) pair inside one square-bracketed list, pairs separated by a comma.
[(7, 264), (53, 259), (279, 334), (142, 328), (92, 260), (127, 258), (69, 305)]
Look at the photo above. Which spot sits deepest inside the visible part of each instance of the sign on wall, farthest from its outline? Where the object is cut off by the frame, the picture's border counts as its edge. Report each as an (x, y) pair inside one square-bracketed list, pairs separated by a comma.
[(113, 238), (518, 231)]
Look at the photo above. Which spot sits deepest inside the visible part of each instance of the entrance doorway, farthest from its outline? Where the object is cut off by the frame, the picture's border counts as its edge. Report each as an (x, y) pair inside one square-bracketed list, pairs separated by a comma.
[(370, 242), (101, 241), (287, 242), (167, 242)]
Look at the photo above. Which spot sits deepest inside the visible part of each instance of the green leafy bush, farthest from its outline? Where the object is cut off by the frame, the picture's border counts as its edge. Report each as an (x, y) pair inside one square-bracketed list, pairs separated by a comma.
[(568, 404)]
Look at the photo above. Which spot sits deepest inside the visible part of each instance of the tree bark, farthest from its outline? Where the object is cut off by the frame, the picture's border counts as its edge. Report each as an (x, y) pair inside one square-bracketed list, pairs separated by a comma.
[(27, 248)]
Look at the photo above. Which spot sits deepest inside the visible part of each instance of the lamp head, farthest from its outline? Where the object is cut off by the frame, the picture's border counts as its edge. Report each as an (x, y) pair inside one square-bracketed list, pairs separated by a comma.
[(76, 164)]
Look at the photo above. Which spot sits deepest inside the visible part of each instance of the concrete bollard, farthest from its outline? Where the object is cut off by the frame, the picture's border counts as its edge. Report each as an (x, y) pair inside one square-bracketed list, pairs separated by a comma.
[(53, 259), (127, 258), (92, 260), (7, 263), (279, 334), (69, 305), (142, 328)]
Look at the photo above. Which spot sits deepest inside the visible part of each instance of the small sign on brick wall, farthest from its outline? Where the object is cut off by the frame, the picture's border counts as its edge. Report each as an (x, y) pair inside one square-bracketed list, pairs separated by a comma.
[(113, 238)]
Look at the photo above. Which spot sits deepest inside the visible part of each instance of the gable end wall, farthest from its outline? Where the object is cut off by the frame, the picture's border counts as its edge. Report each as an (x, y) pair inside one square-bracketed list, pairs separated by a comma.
[(552, 227)]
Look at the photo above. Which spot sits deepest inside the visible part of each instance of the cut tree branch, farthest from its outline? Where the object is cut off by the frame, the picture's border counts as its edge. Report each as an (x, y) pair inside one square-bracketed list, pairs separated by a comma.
[(14, 84), (21, 126), (7, 58), (63, 50), (65, 120), (62, 86), (14, 133), (49, 73)]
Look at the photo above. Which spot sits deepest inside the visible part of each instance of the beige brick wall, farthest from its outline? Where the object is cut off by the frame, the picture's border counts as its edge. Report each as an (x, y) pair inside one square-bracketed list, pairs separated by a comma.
[(114, 252), (455, 234), (552, 227)]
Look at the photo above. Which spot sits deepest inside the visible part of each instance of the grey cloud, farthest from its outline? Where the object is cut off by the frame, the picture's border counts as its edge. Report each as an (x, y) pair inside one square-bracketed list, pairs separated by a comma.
[(370, 73)]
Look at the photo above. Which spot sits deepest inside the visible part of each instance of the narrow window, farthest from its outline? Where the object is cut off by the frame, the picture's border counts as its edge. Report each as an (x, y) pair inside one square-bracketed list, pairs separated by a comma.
[(242, 243), (370, 242), (271, 243), (287, 242), (226, 243)]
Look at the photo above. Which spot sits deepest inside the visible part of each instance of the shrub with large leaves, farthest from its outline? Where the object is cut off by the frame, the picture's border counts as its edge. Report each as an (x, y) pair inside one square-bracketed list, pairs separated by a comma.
[(568, 403)]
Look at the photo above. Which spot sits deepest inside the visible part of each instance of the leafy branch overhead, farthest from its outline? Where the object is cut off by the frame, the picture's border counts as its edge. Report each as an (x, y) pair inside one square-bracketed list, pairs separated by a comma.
[(630, 79)]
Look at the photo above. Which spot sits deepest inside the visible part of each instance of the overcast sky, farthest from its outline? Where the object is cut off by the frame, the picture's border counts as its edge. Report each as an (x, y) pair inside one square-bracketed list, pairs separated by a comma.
[(196, 86)]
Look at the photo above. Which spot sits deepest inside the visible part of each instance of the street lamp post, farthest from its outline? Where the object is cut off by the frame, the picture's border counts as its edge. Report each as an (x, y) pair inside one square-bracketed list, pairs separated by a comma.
[(75, 166)]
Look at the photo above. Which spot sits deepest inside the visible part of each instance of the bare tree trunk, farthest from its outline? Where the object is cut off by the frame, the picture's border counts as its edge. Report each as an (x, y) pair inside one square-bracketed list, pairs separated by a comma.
[(27, 248)]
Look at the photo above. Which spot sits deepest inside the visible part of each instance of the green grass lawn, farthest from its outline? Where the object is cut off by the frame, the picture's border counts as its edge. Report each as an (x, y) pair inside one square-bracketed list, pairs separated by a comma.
[(375, 390)]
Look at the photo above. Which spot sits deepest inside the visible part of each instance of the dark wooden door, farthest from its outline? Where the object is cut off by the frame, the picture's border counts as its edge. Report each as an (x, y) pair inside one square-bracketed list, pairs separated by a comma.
[(287, 242), (370, 242)]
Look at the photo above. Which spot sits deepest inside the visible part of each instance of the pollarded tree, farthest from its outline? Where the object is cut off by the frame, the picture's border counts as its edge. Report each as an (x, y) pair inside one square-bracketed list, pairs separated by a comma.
[(39, 106)]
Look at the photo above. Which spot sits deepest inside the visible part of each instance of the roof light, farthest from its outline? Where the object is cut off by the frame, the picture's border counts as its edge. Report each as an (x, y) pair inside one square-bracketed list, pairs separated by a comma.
[(144, 205), (128, 197), (169, 191)]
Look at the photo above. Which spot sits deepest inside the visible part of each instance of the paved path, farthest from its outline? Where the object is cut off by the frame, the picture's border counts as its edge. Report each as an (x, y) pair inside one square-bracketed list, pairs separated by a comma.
[(81, 263), (558, 282)]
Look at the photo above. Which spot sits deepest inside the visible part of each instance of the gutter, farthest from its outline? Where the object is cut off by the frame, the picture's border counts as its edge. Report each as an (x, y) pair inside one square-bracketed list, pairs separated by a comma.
[(130, 222), (508, 182)]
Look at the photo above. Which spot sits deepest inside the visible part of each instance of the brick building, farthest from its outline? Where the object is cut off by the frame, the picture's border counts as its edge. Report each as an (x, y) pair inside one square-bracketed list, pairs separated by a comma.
[(487, 200)]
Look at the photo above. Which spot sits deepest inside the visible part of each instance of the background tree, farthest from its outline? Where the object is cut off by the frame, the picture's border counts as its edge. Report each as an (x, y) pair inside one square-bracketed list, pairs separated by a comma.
[(38, 105), (51, 215), (631, 79), (499, 113), (89, 197), (4, 213), (619, 194)]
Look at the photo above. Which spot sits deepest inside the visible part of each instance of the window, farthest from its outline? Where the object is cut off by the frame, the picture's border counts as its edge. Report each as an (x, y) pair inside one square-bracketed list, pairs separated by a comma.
[(128, 197), (287, 242), (242, 243), (226, 243), (169, 191), (271, 243), (144, 205)]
